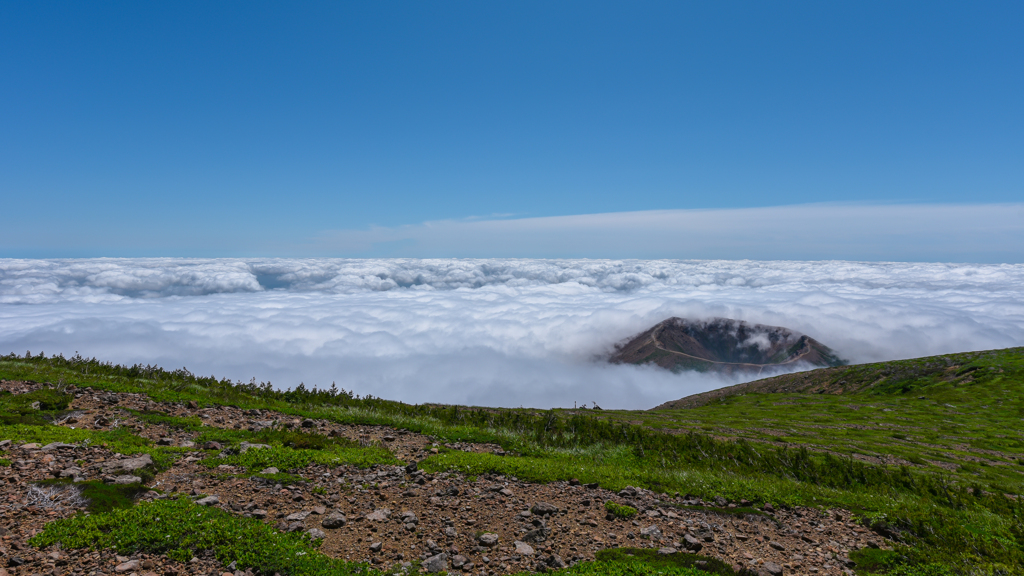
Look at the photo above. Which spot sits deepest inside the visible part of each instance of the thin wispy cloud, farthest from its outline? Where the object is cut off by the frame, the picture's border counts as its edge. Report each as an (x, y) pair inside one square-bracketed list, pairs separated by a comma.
[(919, 232)]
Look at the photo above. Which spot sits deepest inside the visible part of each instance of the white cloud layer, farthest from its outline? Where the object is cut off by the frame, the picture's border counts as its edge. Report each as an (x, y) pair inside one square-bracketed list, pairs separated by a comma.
[(500, 332)]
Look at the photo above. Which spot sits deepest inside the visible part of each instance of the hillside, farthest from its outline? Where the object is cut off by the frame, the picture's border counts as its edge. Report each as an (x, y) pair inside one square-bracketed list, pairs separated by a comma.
[(183, 474), (893, 377), (722, 345)]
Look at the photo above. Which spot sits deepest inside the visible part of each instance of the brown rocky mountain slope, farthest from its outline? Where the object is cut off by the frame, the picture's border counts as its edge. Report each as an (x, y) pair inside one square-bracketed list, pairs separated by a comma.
[(722, 345), (391, 515)]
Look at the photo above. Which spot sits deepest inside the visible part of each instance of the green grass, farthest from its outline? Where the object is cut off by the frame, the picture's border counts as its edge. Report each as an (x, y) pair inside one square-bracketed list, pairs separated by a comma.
[(118, 440), (292, 450), (891, 563), (788, 449), (190, 423), (282, 478), (290, 438), (103, 497), (619, 510), (36, 407), (650, 559), (874, 560), (181, 530), (285, 458), (972, 408)]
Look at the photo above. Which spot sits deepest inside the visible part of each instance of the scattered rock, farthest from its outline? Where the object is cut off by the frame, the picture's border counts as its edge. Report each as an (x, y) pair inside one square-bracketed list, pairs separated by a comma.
[(379, 515), (128, 566), (542, 508), (56, 445), (555, 562), (127, 464), (524, 549), (270, 470), (772, 568), (245, 447), (692, 544), (665, 551), (208, 501), (336, 520), (72, 472), (650, 532), (436, 563), (536, 535), (488, 539)]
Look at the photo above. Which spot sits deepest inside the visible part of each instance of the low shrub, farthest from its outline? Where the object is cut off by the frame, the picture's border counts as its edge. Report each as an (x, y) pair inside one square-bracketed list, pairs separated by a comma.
[(102, 497), (32, 408), (652, 561), (190, 423), (619, 510), (181, 529), (284, 458)]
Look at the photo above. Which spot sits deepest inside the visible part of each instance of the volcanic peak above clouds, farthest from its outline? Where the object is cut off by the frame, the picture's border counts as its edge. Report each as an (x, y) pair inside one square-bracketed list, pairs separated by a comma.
[(722, 345)]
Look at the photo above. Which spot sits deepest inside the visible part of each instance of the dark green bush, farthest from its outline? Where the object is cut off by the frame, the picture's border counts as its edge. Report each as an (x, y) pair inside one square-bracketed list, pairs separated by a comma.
[(619, 510)]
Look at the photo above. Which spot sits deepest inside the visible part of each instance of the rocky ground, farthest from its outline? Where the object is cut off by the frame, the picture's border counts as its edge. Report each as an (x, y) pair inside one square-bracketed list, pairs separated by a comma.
[(392, 516)]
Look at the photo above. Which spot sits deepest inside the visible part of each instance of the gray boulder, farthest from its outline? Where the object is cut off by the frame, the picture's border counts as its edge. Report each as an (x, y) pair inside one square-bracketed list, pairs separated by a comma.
[(524, 549), (336, 520), (127, 464), (379, 515), (56, 445), (650, 532), (437, 563)]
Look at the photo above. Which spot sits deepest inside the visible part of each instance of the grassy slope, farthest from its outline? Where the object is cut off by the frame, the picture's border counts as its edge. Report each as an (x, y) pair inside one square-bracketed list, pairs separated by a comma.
[(937, 514), (957, 415)]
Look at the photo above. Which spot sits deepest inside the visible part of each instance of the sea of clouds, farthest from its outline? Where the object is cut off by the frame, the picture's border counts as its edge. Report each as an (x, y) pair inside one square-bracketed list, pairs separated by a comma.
[(498, 332)]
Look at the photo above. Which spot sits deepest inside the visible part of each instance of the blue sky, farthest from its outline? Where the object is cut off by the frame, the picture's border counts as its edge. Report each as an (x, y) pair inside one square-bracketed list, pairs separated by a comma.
[(239, 129)]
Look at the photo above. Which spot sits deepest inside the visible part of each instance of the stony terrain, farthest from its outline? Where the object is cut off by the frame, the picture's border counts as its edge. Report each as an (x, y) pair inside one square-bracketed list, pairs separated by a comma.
[(392, 516)]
